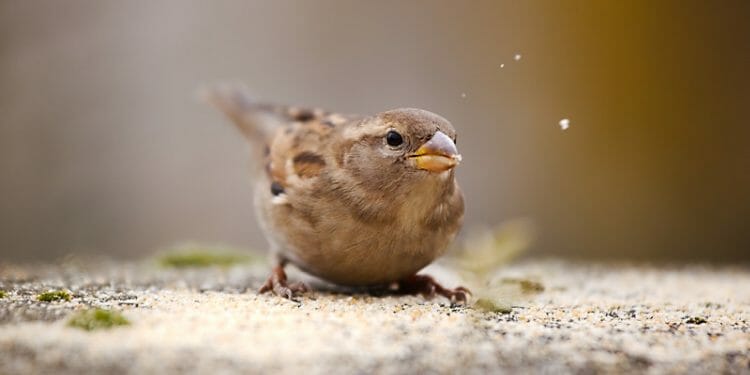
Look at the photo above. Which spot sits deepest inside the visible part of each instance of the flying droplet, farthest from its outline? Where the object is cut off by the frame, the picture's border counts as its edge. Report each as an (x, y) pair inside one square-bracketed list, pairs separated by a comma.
[(502, 66), (517, 57), (463, 95), (564, 124)]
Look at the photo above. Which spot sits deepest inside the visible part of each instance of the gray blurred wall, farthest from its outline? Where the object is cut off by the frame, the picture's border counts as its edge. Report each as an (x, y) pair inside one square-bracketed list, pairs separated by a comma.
[(104, 149)]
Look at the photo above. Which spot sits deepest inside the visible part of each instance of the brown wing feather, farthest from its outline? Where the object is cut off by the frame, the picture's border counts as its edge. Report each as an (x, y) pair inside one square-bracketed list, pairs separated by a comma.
[(297, 148), (291, 138)]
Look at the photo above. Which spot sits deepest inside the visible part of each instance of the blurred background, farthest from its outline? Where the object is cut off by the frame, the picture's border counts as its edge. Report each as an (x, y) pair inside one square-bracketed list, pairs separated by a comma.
[(104, 148)]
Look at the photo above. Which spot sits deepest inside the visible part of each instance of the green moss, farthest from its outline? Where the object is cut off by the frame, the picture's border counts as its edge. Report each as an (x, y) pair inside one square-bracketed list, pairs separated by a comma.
[(203, 256), (527, 286), (696, 320), (3, 294), (53, 295), (93, 319), (488, 305), (484, 251)]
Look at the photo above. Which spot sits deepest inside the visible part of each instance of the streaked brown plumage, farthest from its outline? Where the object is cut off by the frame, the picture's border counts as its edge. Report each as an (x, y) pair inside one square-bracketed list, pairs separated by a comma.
[(355, 200)]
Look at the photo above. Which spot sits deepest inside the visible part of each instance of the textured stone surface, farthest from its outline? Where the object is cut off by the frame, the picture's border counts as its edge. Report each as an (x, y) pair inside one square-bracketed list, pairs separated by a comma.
[(589, 317)]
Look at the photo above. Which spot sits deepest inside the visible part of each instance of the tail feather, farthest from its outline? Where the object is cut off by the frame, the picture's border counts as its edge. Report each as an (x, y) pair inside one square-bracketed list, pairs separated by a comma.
[(255, 120)]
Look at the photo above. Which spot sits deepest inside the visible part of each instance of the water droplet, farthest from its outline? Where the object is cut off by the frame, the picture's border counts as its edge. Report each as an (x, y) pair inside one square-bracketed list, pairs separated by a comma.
[(517, 57), (564, 124), (502, 66)]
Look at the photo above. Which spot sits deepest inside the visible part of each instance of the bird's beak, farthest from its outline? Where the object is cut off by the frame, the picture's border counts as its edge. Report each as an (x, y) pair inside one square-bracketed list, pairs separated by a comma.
[(437, 155)]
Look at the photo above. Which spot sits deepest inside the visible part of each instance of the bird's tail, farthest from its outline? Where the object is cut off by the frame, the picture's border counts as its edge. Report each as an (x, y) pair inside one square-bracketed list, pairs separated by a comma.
[(255, 120)]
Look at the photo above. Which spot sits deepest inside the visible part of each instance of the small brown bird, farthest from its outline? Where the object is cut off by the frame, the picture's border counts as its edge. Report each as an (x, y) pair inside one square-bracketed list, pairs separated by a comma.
[(355, 200)]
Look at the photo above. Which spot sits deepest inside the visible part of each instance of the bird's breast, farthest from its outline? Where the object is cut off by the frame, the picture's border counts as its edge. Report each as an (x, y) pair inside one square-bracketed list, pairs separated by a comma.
[(334, 243)]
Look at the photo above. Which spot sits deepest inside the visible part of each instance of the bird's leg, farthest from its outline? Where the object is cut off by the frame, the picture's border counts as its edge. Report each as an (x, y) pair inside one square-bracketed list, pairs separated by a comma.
[(427, 286), (277, 284)]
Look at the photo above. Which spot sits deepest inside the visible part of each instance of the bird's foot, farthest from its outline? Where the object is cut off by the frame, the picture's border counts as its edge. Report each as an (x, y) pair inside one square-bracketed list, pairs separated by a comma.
[(428, 287), (277, 284)]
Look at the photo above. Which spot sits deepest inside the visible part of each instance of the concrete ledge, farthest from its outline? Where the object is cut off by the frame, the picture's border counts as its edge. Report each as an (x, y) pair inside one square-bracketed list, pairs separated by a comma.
[(589, 318)]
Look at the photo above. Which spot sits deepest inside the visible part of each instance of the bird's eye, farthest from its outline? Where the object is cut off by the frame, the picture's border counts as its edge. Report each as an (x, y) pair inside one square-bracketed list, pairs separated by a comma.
[(393, 138)]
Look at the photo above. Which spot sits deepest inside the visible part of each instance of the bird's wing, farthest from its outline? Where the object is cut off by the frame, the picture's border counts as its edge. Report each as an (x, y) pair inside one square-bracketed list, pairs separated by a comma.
[(291, 140)]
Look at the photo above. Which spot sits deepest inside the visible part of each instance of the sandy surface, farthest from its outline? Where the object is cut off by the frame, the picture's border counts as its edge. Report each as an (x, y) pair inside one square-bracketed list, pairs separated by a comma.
[(589, 318)]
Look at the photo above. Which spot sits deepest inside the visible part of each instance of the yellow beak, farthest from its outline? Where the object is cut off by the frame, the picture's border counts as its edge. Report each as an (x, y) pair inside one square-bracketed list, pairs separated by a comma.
[(437, 155)]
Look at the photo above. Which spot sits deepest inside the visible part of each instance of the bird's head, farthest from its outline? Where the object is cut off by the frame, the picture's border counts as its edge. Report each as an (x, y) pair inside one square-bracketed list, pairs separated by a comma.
[(401, 148)]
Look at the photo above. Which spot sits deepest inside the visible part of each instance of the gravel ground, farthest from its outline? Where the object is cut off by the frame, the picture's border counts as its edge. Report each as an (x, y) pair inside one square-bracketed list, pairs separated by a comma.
[(588, 318)]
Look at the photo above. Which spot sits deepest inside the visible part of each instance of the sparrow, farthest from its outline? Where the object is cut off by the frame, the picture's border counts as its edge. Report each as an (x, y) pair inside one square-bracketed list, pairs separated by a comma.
[(354, 200)]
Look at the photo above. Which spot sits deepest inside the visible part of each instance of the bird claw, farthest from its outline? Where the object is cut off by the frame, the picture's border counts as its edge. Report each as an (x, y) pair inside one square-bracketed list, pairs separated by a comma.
[(277, 283), (460, 295), (428, 287)]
